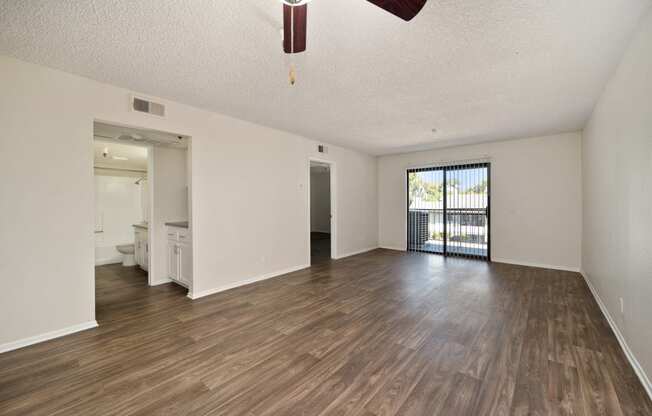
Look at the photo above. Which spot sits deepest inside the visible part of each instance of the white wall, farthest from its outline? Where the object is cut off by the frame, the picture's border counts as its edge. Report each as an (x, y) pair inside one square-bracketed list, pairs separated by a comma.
[(617, 184), (47, 222), (320, 200), (170, 204), (254, 223), (535, 197), (117, 208), (233, 163)]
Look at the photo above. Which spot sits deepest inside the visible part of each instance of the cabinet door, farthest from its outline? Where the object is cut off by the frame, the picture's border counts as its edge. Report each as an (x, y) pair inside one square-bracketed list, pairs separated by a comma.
[(173, 260), (185, 263), (142, 250), (137, 247), (145, 254)]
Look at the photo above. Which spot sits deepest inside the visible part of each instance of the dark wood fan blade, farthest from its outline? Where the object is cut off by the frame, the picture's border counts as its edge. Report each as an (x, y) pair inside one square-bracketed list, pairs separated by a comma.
[(405, 9), (294, 28)]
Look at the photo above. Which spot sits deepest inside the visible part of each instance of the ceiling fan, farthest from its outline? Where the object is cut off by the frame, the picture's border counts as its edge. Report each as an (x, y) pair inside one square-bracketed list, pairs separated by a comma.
[(295, 16)]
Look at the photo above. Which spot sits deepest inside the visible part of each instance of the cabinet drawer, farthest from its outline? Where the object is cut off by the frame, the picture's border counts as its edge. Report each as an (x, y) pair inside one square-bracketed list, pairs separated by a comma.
[(176, 234)]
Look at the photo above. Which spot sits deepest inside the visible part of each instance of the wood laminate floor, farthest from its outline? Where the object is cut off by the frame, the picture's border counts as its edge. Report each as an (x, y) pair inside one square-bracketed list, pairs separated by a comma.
[(382, 333)]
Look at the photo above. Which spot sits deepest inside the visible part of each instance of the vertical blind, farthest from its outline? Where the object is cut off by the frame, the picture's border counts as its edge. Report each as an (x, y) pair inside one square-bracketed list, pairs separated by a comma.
[(448, 210)]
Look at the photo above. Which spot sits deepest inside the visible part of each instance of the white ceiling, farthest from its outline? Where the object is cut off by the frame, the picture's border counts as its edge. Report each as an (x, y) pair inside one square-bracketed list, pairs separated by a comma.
[(136, 155), (142, 137), (476, 70)]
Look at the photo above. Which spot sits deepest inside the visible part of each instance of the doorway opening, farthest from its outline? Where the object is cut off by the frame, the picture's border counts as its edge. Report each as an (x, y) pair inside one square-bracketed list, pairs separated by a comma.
[(142, 205), (321, 218), (448, 210)]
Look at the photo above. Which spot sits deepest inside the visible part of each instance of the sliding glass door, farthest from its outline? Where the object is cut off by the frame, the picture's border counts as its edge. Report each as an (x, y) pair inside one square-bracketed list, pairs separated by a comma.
[(448, 210), (426, 210)]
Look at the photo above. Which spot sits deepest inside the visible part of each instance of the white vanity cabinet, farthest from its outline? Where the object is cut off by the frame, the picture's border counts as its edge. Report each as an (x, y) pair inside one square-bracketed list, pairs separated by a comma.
[(173, 259), (185, 263), (179, 258), (141, 248)]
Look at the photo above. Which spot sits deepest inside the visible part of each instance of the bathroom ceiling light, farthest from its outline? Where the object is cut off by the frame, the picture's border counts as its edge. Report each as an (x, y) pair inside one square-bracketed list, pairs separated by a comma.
[(120, 158)]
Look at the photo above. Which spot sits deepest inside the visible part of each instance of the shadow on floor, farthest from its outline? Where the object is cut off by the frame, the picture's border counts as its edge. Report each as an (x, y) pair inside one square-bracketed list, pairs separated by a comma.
[(320, 247)]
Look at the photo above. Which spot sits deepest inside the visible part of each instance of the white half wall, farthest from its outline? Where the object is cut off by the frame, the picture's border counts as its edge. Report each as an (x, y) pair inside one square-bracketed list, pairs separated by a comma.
[(617, 185), (536, 198), (170, 204), (249, 196)]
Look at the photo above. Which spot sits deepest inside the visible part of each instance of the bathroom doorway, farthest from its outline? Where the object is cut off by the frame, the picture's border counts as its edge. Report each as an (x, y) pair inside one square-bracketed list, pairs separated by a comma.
[(121, 203), (142, 215)]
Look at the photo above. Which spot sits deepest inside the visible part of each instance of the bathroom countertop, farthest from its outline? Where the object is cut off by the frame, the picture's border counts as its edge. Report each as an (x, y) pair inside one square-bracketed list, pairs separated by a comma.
[(180, 224), (141, 225)]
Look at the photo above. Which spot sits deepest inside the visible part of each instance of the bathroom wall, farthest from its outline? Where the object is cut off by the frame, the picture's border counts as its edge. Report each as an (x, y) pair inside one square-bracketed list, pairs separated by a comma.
[(118, 205)]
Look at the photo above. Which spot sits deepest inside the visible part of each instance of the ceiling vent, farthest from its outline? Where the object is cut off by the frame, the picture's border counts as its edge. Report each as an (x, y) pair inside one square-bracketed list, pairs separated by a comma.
[(143, 105)]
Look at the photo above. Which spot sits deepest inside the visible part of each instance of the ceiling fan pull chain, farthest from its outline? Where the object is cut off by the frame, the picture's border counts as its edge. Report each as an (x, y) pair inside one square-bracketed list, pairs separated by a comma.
[(292, 75)]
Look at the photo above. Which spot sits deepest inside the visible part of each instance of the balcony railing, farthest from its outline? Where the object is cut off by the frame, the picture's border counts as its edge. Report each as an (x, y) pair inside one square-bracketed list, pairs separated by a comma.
[(466, 231)]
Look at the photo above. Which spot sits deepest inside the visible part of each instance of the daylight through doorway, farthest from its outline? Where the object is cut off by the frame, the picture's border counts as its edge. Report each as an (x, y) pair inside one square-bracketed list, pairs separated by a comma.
[(448, 210)]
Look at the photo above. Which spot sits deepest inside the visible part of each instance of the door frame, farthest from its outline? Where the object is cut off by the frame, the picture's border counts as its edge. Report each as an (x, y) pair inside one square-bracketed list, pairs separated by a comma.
[(151, 168), (444, 167), (333, 199), (150, 192)]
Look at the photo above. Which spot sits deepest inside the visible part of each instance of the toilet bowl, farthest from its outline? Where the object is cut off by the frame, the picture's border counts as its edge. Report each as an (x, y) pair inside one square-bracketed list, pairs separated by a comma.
[(127, 251)]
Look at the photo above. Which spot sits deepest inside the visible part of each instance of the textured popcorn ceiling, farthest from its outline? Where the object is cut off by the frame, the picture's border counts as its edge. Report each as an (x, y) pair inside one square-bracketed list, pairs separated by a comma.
[(476, 70)]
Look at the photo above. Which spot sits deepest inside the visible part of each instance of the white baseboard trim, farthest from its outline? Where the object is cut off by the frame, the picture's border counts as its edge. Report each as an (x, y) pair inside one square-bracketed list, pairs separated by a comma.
[(10, 346), (638, 369), (204, 293), (395, 248), (104, 262), (161, 282), (539, 265), (353, 253)]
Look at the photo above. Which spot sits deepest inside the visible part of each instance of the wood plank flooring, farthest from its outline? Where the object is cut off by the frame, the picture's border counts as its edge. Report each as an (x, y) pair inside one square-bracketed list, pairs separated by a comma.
[(382, 333)]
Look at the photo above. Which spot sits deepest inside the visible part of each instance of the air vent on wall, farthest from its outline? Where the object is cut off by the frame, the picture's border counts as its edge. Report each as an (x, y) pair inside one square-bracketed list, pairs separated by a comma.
[(143, 105)]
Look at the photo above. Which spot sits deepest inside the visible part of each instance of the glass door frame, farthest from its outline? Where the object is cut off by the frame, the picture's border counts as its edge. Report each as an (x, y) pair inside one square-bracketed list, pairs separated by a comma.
[(445, 169)]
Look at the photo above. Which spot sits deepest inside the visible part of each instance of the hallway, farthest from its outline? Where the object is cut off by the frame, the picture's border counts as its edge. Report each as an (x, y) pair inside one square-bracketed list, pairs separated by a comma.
[(320, 247)]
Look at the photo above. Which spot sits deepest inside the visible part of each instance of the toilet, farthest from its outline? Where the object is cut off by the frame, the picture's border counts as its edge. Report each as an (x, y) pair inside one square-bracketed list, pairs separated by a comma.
[(127, 251)]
